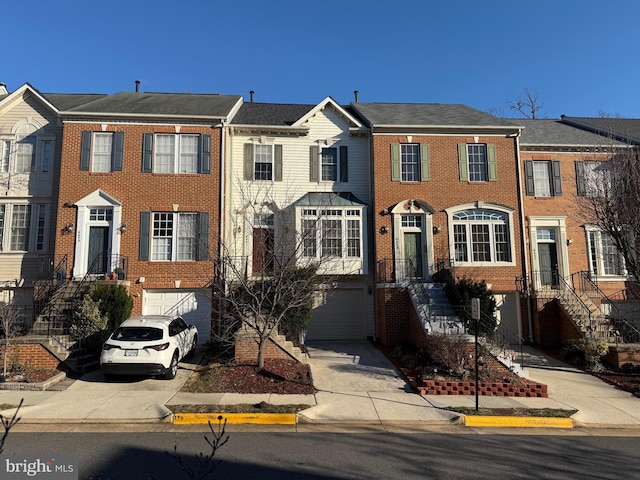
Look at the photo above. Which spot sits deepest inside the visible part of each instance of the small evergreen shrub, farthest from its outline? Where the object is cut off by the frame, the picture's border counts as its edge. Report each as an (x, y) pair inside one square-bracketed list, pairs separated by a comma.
[(114, 301)]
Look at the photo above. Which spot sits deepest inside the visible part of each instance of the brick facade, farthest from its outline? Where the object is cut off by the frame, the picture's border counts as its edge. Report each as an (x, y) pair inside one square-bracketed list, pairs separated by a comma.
[(142, 192)]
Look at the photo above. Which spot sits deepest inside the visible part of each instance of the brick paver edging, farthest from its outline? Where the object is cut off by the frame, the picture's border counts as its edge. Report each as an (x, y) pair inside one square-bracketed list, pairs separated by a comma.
[(491, 389)]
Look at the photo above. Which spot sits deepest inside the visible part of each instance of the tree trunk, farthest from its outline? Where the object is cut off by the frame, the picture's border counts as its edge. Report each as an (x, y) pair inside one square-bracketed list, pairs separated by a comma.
[(262, 345)]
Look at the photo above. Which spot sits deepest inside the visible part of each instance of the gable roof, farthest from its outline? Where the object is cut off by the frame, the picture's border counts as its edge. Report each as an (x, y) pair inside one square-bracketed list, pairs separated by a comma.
[(624, 129), (17, 95), (180, 105), (322, 105), (547, 132), (428, 115)]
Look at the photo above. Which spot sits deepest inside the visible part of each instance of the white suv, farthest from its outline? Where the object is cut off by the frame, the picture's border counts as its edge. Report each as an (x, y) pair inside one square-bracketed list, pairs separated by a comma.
[(148, 345)]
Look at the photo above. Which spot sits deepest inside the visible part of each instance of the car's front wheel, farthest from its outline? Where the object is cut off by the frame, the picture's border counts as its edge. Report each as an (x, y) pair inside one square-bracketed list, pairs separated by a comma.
[(173, 368)]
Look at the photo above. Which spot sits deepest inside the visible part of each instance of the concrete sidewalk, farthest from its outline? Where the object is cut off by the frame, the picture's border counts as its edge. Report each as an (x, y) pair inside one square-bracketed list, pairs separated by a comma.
[(357, 385)]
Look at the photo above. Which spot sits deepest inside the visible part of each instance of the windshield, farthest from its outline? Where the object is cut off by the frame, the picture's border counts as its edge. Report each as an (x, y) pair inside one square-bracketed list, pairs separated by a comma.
[(137, 334)]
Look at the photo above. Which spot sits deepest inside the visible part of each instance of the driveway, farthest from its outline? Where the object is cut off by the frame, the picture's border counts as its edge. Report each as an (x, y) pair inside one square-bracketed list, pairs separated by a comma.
[(93, 398), (357, 383)]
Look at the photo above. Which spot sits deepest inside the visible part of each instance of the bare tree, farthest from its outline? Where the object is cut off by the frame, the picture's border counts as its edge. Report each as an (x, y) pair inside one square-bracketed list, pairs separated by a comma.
[(527, 103), (609, 199), (294, 259), (10, 327)]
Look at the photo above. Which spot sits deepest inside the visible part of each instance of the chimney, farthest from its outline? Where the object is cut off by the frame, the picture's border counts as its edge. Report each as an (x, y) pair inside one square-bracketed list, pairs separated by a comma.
[(137, 86), (251, 92), (356, 93), (3, 89)]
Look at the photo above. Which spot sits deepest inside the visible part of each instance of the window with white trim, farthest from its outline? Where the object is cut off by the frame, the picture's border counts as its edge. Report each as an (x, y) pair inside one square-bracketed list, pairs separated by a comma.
[(101, 155), (176, 153), (15, 222), (329, 165), (5, 155), (410, 162), (477, 160), (263, 162), (174, 237), (25, 154), (338, 232), (481, 235), (594, 179), (604, 257)]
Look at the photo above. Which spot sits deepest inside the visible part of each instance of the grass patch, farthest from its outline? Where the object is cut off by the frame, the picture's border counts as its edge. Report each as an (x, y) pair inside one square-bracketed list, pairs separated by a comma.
[(262, 407), (202, 378), (515, 412), (7, 406)]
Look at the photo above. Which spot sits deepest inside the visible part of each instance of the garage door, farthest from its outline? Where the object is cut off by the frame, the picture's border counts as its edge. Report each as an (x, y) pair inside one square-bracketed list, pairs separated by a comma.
[(341, 317), (192, 305)]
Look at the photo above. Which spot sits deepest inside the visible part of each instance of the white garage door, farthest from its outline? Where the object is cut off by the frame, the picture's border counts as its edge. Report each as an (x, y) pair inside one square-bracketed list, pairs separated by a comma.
[(341, 317), (192, 305)]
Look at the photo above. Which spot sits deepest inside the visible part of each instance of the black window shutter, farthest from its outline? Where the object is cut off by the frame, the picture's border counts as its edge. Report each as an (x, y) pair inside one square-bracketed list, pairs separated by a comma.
[(580, 180), (344, 164), (557, 179), (529, 179), (248, 161), (313, 163), (277, 163), (203, 236), (117, 151), (85, 151), (204, 162), (147, 152), (145, 223)]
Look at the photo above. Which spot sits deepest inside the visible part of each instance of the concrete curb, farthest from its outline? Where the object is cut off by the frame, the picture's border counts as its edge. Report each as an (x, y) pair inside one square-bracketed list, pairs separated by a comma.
[(34, 387), (235, 418), (507, 421)]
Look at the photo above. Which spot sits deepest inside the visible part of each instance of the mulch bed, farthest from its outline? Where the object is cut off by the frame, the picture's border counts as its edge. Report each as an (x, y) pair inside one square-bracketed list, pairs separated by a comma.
[(279, 377)]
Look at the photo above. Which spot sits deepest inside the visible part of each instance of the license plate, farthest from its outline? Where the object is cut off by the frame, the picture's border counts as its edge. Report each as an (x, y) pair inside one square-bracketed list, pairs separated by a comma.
[(131, 353)]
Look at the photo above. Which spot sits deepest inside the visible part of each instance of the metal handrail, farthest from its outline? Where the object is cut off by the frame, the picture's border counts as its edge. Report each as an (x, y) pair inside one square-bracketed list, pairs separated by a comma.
[(590, 288)]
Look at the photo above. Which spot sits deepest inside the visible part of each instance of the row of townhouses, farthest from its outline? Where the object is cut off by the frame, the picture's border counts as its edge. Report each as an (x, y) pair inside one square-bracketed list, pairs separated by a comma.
[(153, 189)]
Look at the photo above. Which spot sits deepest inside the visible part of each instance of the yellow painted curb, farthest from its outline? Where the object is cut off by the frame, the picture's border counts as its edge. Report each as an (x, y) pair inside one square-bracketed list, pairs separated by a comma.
[(235, 418), (506, 421)]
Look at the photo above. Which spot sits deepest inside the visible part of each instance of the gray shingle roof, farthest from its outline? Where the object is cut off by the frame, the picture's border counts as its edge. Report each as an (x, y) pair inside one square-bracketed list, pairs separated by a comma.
[(67, 101), (626, 129), (554, 132), (161, 104), (427, 114), (278, 114)]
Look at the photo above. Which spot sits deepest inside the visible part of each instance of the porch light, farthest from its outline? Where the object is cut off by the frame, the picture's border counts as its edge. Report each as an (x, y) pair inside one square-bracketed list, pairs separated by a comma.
[(384, 230), (68, 228), (123, 228)]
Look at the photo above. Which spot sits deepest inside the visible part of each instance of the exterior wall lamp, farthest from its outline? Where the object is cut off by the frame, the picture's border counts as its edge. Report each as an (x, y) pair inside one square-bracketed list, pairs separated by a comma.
[(123, 228), (68, 228), (384, 230)]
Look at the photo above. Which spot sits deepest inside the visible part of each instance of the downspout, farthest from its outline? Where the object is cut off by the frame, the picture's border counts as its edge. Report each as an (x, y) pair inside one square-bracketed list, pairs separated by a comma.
[(523, 242), (221, 213)]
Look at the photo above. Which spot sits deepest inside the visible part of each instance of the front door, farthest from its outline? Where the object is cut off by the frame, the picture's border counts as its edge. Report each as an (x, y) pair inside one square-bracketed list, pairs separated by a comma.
[(98, 247), (413, 254), (548, 264), (262, 250)]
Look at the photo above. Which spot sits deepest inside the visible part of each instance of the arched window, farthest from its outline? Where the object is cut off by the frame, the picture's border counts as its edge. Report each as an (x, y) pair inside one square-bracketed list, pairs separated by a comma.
[(481, 235)]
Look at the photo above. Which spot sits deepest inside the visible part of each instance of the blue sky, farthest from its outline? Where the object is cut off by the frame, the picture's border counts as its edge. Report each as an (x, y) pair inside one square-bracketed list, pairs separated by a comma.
[(580, 56)]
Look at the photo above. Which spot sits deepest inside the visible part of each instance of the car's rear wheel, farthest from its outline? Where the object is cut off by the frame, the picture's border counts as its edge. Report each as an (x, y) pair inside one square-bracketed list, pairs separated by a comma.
[(173, 368)]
